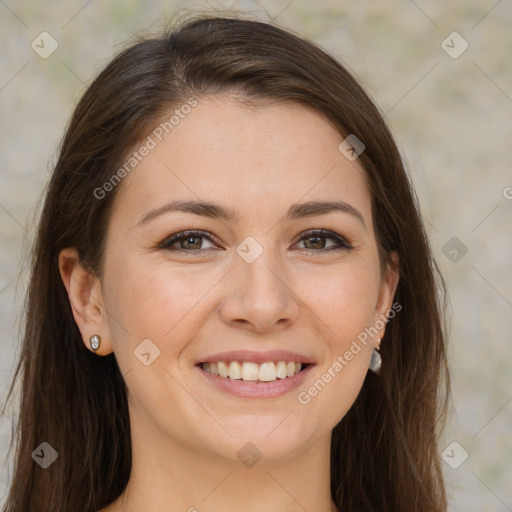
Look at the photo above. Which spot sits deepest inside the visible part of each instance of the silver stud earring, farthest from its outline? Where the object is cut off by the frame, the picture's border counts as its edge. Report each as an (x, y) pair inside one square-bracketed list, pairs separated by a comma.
[(95, 342), (376, 360)]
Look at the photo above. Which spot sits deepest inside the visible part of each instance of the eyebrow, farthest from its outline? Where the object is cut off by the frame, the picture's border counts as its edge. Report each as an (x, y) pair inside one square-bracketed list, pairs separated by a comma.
[(216, 211)]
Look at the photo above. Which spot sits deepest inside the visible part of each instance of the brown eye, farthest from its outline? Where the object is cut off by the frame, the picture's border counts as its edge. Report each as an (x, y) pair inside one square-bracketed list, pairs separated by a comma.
[(315, 241), (191, 241)]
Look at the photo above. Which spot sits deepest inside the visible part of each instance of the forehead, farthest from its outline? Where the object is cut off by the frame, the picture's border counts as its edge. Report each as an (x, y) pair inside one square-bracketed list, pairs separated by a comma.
[(251, 159)]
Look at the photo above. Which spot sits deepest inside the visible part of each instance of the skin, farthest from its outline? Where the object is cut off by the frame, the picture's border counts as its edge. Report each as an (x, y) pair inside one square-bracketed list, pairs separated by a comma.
[(185, 432)]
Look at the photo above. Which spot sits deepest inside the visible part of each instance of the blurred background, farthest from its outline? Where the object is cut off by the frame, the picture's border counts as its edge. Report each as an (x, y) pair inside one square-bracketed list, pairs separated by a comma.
[(440, 71)]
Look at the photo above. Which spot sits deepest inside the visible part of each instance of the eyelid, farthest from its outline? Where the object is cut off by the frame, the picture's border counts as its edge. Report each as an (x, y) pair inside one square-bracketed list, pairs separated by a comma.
[(199, 233), (325, 233), (180, 235)]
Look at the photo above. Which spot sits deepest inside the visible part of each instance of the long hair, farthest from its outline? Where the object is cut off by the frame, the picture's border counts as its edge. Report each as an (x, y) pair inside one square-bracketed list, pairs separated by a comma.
[(384, 452)]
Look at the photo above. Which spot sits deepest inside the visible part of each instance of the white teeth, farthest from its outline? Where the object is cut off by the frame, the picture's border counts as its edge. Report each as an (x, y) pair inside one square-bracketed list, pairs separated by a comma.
[(268, 372), (281, 370), (235, 370), (223, 369), (249, 371), (214, 369)]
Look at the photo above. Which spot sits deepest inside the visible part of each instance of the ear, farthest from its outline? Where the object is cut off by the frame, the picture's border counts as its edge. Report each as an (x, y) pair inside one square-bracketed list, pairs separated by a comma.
[(387, 291), (85, 297)]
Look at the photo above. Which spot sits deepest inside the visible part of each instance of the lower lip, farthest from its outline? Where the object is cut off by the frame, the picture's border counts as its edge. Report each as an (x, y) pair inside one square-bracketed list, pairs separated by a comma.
[(248, 389)]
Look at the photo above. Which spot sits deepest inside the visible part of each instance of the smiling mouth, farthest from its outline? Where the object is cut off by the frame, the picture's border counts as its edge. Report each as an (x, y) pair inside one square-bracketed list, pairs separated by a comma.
[(253, 372)]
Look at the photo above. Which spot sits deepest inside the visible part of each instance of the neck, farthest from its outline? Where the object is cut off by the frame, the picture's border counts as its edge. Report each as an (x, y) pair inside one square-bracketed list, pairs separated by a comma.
[(168, 476)]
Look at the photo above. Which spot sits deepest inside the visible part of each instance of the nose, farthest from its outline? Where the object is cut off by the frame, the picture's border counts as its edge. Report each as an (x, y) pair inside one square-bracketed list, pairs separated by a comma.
[(259, 297)]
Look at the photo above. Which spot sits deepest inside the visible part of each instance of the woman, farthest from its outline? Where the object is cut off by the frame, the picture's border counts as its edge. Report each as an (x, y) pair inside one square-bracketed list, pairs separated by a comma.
[(228, 238)]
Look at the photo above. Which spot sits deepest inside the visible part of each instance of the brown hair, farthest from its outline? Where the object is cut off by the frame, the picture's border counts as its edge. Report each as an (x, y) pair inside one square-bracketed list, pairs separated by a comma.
[(384, 453)]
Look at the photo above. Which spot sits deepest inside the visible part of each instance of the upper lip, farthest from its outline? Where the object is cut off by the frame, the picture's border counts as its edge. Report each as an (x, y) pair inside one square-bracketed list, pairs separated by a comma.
[(255, 356)]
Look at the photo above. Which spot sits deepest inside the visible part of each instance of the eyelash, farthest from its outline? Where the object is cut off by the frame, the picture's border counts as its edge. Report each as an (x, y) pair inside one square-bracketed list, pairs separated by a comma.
[(312, 233)]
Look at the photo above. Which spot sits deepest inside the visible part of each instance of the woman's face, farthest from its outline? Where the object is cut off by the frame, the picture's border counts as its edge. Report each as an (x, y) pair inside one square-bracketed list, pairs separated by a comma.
[(252, 288)]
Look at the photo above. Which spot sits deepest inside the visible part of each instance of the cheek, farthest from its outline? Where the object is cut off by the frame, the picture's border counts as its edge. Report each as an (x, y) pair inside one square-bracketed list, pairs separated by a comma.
[(344, 299), (156, 302)]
